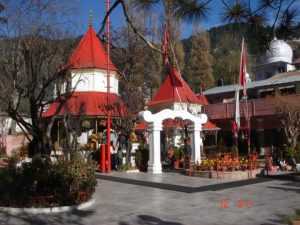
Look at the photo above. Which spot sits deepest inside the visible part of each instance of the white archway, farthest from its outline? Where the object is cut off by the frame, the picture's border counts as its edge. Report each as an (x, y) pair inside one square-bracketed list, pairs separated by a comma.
[(155, 127)]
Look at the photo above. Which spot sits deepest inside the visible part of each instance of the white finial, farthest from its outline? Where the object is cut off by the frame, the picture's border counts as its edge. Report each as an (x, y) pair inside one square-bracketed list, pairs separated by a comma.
[(90, 18)]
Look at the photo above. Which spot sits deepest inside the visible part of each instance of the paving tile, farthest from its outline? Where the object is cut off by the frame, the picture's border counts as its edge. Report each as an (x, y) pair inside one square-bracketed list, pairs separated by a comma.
[(174, 199)]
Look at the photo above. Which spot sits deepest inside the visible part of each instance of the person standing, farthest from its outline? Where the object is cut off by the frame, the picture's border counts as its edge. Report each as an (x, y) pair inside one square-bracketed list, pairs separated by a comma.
[(113, 153), (187, 149)]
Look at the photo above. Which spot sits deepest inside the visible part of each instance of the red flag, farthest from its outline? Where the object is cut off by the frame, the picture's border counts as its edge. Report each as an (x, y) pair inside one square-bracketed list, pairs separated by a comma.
[(234, 129), (165, 45), (243, 69)]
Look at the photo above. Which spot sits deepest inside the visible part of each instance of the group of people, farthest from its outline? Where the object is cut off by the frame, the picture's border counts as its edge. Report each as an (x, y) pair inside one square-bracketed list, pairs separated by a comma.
[(283, 165), (274, 163), (119, 142)]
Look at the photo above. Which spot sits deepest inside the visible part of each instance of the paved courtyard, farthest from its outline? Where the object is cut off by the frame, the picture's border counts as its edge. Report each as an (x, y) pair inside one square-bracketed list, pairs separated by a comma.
[(174, 199)]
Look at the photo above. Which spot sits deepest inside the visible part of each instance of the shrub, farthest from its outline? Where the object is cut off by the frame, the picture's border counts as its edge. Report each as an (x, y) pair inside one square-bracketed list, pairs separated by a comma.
[(44, 184)]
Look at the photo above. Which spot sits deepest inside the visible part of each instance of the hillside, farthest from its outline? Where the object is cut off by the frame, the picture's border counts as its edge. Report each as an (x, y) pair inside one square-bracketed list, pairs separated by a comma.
[(225, 47)]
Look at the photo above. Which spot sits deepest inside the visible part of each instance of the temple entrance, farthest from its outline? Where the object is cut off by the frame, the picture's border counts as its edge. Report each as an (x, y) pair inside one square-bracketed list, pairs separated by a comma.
[(155, 127)]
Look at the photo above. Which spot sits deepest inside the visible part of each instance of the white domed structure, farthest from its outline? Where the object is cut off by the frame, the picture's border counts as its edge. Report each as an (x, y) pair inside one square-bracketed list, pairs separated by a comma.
[(279, 51), (278, 59)]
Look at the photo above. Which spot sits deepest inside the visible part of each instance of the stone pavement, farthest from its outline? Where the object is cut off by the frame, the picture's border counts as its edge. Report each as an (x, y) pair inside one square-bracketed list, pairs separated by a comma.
[(174, 199)]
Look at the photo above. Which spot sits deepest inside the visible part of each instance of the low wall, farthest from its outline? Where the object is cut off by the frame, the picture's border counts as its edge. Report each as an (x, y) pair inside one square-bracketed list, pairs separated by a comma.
[(230, 175)]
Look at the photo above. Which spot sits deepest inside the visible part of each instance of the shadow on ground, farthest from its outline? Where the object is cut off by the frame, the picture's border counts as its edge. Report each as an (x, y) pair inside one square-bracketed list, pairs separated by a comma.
[(75, 217), (285, 189), (150, 220)]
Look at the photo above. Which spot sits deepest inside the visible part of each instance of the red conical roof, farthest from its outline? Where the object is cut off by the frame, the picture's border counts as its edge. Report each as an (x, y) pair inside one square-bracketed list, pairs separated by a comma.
[(174, 89), (203, 99), (88, 104), (90, 53)]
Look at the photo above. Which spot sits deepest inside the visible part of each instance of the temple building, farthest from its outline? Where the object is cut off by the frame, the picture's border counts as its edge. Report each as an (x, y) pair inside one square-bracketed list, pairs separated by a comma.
[(175, 94), (276, 73), (85, 90), (278, 59)]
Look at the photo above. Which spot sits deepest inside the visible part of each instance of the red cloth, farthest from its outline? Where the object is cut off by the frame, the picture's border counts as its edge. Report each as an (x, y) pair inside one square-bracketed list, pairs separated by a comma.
[(88, 104), (234, 129)]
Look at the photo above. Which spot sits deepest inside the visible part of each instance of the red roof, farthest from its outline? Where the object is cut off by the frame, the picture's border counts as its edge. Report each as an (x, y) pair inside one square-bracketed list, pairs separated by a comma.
[(90, 53), (169, 123), (174, 89), (210, 126), (203, 99), (88, 104)]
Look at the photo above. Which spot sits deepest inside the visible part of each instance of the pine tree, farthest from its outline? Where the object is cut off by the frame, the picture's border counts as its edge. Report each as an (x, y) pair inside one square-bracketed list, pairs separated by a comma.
[(227, 59), (198, 71)]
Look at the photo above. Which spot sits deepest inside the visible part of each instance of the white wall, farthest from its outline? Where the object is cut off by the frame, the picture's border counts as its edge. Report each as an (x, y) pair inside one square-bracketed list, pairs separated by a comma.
[(94, 80), (290, 67), (192, 108)]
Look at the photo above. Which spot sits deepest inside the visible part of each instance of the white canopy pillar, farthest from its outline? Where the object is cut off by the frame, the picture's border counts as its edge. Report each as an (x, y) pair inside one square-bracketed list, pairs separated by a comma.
[(154, 164), (197, 143), (155, 126)]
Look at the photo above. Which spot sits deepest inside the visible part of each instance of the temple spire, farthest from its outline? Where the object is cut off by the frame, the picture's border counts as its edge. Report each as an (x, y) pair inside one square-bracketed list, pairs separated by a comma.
[(90, 18)]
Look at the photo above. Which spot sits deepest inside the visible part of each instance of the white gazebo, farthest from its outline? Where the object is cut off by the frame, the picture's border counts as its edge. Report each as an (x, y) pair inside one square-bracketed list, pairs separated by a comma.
[(155, 127)]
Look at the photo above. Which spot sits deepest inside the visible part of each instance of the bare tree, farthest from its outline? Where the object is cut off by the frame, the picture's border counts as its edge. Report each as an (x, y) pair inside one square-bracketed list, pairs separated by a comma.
[(289, 112), (32, 57), (188, 10)]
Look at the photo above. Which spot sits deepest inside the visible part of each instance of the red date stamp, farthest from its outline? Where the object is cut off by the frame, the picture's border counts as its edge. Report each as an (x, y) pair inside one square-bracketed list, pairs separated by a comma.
[(240, 203)]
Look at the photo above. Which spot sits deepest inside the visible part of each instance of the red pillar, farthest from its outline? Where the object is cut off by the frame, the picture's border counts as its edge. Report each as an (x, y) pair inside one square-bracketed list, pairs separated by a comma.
[(102, 164), (108, 146)]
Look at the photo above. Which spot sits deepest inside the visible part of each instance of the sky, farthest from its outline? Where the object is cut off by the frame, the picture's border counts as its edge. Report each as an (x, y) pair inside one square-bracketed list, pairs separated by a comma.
[(98, 10)]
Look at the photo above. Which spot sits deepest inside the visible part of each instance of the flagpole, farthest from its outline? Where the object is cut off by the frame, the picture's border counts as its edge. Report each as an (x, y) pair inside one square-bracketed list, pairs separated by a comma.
[(243, 81), (108, 122)]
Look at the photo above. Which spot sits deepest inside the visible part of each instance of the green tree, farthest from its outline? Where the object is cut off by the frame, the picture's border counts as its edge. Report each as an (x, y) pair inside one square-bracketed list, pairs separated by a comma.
[(198, 70), (279, 16), (227, 59)]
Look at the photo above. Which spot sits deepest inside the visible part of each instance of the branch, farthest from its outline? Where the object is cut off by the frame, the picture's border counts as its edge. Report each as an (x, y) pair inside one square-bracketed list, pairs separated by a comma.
[(116, 3), (225, 4), (290, 4), (128, 20), (135, 30), (277, 16)]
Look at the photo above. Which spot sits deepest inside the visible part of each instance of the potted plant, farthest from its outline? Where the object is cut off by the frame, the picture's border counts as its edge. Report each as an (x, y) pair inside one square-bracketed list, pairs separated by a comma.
[(178, 156)]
